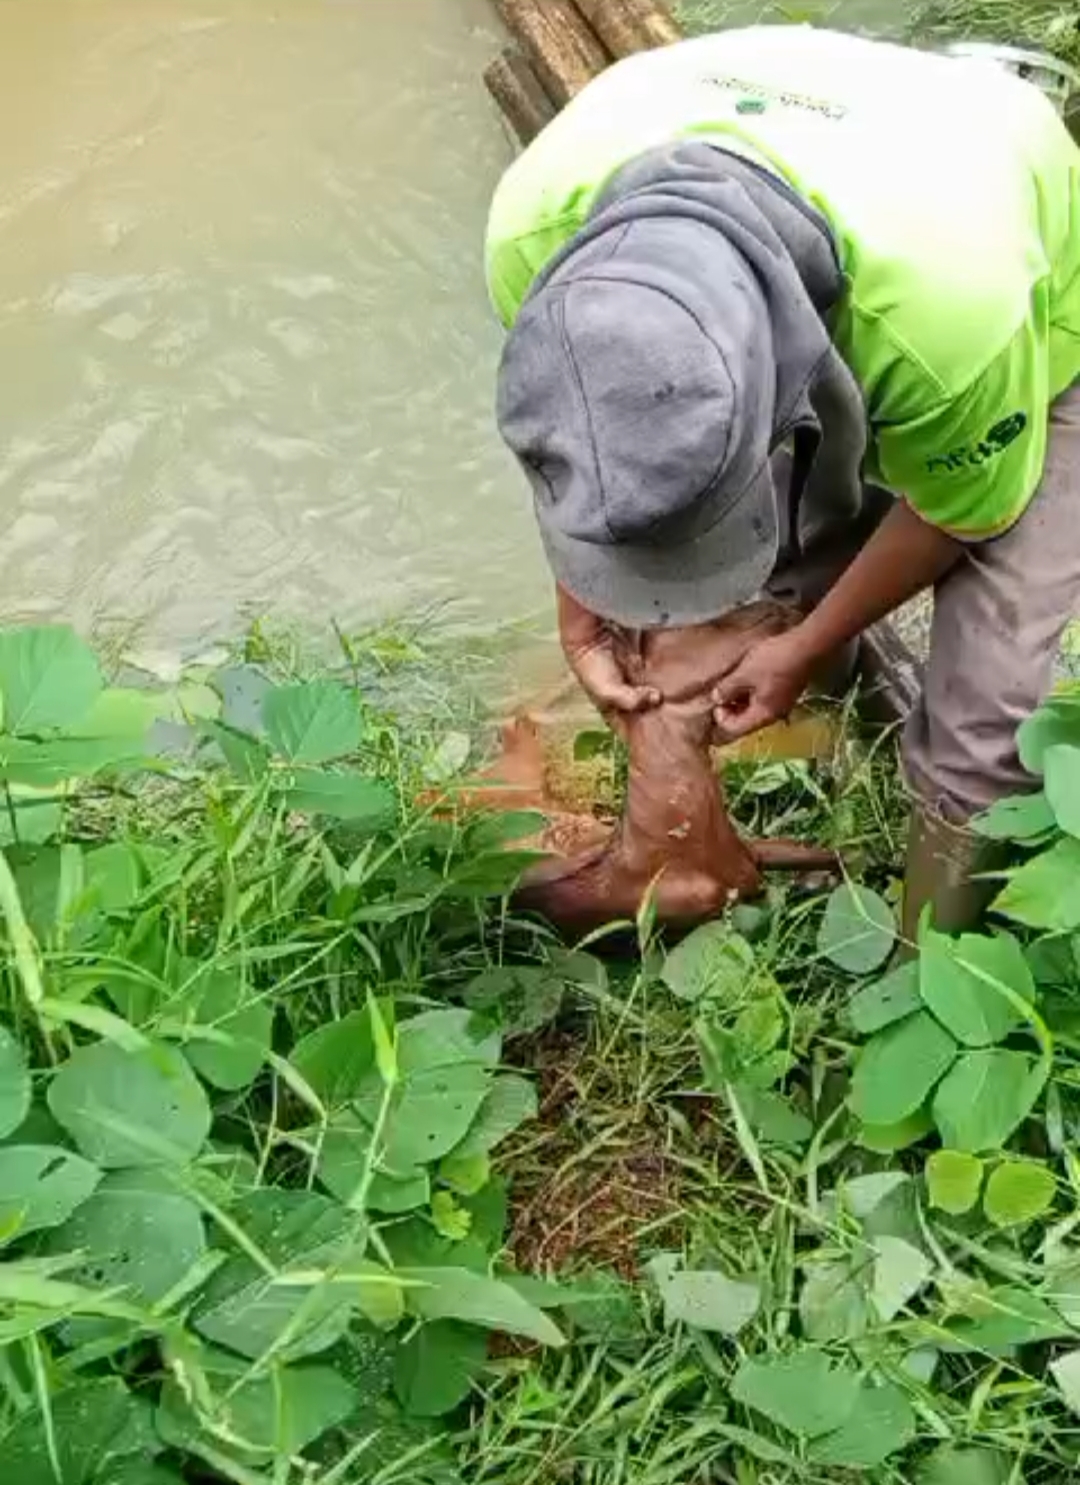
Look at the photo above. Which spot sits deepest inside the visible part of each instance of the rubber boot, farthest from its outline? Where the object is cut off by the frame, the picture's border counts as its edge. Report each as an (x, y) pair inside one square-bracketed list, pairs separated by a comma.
[(943, 861)]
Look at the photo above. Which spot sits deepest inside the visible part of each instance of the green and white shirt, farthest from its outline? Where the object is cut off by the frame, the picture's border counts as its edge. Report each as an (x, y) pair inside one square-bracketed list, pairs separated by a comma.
[(953, 193)]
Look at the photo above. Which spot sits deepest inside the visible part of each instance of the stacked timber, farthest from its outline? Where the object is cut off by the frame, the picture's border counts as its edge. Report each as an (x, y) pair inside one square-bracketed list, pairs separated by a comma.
[(560, 46)]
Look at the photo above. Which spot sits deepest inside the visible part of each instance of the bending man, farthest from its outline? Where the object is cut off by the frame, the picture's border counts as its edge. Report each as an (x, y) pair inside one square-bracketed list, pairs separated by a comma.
[(797, 312)]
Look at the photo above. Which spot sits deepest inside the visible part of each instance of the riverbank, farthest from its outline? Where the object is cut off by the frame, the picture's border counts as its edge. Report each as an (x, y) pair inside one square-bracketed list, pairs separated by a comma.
[(320, 1166)]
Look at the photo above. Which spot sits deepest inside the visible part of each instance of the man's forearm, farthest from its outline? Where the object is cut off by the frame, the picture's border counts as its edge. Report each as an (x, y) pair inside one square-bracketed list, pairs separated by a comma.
[(903, 557)]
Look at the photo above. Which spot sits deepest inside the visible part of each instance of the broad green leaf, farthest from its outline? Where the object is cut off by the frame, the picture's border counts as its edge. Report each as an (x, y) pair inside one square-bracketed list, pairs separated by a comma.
[(1066, 1373), (593, 742), (507, 828), (772, 1117), (244, 1309), (44, 764), (868, 1197), (343, 1156), (858, 930), (887, 1000), (243, 690), (270, 1417), (886, 1139), (445, 1039), (459, 1294), (952, 1465), (953, 1180), (131, 1108), (1056, 721), (834, 1304), (244, 755), (465, 1176), (518, 998), (1062, 1285), (443, 1079), (1053, 962), (1061, 768), (509, 1103), (431, 1112), (802, 1391), (1011, 1316), (881, 1423), (491, 874), (759, 1028), (366, 803), (1045, 891), (1022, 817), (435, 1367), (40, 1186), (38, 815), (48, 678), (711, 963), (336, 1058), (394, 1193), (898, 1068), (125, 711), (97, 1425), (1018, 1191), (985, 1097), (312, 721), (706, 1299), (14, 1084), (138, 1235), (238, 1026), (900, 1271), (959, 980), (114, 876)]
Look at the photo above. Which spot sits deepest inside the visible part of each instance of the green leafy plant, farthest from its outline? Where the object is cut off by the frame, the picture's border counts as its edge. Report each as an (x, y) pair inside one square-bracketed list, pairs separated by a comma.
[(248, 1209)]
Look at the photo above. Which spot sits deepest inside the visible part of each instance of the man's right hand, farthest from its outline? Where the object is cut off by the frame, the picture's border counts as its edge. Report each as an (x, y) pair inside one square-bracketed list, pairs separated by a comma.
[(588, 647)]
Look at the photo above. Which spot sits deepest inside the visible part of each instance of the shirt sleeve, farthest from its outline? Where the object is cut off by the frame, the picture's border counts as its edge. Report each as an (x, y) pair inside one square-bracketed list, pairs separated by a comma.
[(971, 464)]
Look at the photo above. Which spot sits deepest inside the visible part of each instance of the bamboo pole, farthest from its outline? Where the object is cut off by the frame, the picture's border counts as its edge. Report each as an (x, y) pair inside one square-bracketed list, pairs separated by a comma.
[(520, 94), (628, 26), (561, 46)]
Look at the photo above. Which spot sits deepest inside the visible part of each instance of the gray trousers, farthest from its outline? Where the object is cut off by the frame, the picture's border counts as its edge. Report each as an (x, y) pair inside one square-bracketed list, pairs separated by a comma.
[(998, 617)]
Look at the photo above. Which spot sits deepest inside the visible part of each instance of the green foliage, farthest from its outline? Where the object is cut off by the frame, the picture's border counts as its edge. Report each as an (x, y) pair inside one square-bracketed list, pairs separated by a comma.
[(858, 930), (978, 988), (14, 1084), (899, 1067), (1018, 1191), (985, 1097), (954, 1180), (705, 1298), (255, 1011), (223, 1063), (802, 1392)]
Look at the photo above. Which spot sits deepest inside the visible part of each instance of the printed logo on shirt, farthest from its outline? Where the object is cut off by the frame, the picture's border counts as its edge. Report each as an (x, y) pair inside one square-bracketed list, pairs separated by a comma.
[(760, 92), (1000, 436)]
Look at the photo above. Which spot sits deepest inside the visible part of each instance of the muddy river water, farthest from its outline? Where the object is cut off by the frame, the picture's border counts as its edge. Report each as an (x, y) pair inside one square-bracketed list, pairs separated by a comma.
[(247, 355)]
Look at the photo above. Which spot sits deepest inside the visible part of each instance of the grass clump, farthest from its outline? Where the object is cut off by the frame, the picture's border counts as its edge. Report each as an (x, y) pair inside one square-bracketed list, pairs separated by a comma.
[(1045, 25)]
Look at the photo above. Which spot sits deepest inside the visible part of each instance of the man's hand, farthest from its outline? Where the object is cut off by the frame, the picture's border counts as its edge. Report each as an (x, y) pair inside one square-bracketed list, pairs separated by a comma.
[(904, 556), (587, 645), (763, 687)]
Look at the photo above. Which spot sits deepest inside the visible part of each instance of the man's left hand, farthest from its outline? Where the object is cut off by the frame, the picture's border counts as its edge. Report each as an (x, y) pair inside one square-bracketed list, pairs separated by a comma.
[(763, 687)]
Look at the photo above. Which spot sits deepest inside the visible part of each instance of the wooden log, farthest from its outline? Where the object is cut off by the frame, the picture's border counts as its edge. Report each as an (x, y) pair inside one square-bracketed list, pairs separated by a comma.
[(520, 94), (564, 51), (628, 26)]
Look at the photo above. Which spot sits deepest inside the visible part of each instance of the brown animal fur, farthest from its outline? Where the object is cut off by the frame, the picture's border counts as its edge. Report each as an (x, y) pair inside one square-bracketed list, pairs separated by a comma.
[(675, 830)]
